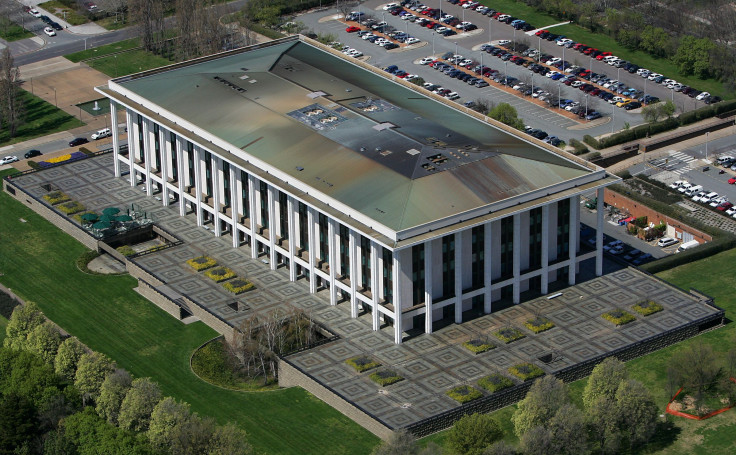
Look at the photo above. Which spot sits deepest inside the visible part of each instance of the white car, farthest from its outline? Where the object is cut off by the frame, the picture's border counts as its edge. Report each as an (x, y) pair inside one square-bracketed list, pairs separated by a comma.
[(388, 6), (503, 17), (412, 41), (731, 211), (552, 61), (717, 201), (666, 241), (564, 41), (684, 187), (452, 96), (702, 96), (8, 160), (101, 133), (504, 42), (699, 195), (407, 17), (653, 76), (676, 184), (49, 31), (34, 12), (426, 60)]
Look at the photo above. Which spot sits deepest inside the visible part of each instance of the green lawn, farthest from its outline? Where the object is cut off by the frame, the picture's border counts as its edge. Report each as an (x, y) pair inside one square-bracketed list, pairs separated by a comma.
[(128, 62), (597, 40), (715, 435), (60, 10), (10, 31), (3, 323), (105, 313), (41, 118), (106, 49)]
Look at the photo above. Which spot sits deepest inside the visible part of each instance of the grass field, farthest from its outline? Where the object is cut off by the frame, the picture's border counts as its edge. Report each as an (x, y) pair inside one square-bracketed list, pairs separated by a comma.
[(37, 261), (10, 31), (41, 118), (597, 40), (106, 49), (119, 59), (3, 323), (59, 9), (713, 436)]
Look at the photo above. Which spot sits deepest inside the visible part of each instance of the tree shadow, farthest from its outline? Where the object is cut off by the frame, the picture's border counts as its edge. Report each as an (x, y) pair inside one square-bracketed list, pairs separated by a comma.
[(664, 436)]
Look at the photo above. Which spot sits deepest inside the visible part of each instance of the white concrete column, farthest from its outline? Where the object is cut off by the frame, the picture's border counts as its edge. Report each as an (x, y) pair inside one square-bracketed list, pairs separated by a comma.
[(458, 277), (428, 286), (291, 213), (131, 145), (180, 173), (165, 146), (234, 204), (216, 169), (487, 267), (270, 198), (353, 258), (312, 240), (253, 216), (573, 231), (375, 286), (115, 139), (148, 154), (545, 249), (334, 262), (198, 184), (517, 258), (398, 319), (599, 233)]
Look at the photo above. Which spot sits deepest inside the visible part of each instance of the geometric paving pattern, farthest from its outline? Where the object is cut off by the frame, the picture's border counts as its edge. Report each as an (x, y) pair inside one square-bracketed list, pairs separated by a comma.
[(430, 363)]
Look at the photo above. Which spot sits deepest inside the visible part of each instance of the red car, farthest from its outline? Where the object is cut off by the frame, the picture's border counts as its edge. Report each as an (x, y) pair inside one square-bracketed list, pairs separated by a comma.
[(602, 55), (732, 180), (540, 32), (352, 29), (724, 206)]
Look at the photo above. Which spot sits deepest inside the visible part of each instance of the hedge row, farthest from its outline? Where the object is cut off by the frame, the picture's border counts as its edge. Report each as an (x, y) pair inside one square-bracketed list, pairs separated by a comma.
[(650, 129), (579, 147), (718, 245)]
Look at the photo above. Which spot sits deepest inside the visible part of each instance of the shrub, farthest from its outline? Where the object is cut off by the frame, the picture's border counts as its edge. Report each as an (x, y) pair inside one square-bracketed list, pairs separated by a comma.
[(579, 147), (386, 377), (125, 250), (33, 165), (202, 263), (495, 382), (464, 393), (618, 317), (509, 334), (239, 285), (593, 156), (218, 274), (86, 151), (526, 371), (478, 346), (56, 197), (591, 141), (84, 259), (539, 324), (71, 207), (362, 363), (647, 307)]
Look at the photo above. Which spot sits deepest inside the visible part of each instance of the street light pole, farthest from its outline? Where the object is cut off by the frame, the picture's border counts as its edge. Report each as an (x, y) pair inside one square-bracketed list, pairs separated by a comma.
[(514, 40), (490, 21), (432, 43), (706, 145), (539, 49), (613, 119), (506, 71), (586, 107), (456, 54), (532, 73), (55, 102)]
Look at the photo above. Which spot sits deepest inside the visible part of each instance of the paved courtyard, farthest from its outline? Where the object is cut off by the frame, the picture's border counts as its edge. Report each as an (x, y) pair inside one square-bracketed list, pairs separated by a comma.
[(431, 364)]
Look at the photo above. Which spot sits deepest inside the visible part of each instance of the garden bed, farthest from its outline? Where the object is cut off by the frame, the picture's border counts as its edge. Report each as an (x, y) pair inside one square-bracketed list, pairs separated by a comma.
[(477, 346), (386, 377), (239, 285), (714, 405), (202, 263), (509, 334), (71, 207), (464, 393), (218, 274), (362, 363), (212, 363), (56, 197), (495, 382), (526, 371), (539, 324), (647, 307), (618, 317)]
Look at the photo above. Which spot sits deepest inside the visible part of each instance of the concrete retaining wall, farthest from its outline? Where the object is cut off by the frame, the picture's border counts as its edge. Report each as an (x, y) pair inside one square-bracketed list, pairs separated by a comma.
[(291, 376)]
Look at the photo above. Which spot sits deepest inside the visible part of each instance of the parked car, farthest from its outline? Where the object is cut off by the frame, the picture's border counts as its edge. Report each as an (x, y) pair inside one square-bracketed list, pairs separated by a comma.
[(666, 241), (78, 141), (8, 160), (49, 31), (32, 153)]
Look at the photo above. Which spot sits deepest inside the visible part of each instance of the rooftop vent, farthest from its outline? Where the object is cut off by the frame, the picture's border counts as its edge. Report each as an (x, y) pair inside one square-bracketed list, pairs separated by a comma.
[(230, 84), (413, 152), (316, 94), (384, 126)]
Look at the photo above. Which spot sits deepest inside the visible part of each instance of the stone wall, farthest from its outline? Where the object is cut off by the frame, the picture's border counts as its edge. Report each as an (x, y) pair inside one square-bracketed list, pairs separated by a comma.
[(55, 218), (160, 300), (292, 376), (637, 209)]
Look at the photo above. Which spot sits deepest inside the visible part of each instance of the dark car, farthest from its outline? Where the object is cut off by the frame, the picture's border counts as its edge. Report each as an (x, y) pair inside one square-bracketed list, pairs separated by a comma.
[(634, 105), (78, 141), (56, 26), (32, 153), (593, 115), (46, 19)]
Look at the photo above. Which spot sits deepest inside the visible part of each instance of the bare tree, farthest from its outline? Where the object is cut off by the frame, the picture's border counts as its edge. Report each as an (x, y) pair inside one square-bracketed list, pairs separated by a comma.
[(11, 103), (149, 16)]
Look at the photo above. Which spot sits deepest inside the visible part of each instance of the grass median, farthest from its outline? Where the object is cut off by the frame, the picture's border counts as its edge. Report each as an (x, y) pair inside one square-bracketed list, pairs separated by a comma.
[(38, 263)]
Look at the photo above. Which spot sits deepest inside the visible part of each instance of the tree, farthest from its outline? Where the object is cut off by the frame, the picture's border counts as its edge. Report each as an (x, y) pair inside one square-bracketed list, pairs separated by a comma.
[(11, 103), (195, 435), (138, 404), (399, 443), (44, 340), (602, 417), (693, 56), (666, 109), (18, 423), (506, 113), (148, 15), (473, 433), (604, 381), (91, 434), (229, 439), (698, 367), (167, 419), (545, 397), (24, 319), (637, 412), (650, 113), (67, 358), (92, 370), (655, 41), (500, 448), (537, 441), (568, 430), (112, 393)]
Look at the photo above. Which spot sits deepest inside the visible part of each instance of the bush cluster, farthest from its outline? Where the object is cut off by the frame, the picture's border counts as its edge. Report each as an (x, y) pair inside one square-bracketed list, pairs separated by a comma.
[(362, 363), (56, 197), (526, 371), (71, 207), (478, 346), (539, 324), (647, 307), (495, 382), (618, 317), (238, 285), (580, 148), (218, 274), (386, 377), (125, 250), (509, 334), (202, 263), (464, 393)]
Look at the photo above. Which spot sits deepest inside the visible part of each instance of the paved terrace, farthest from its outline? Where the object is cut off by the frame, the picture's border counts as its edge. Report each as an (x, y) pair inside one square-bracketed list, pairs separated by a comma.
[(430, 364)]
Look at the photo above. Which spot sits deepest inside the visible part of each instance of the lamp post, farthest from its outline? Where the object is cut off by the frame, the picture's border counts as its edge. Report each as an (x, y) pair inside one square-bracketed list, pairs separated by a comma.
[(539, 49), (563, 56), (532, 73), (591, 65), (706, 145), (432, 43), (456, 54), (514, 40), (613, 118), (55, 102), (618, 74), (558, 96), (645, 85), (586, 107), (481, 64), (490, 21), (506, 71), (673, 94)]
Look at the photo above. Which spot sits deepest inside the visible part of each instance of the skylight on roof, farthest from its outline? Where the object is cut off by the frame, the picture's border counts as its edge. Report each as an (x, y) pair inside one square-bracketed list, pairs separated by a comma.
[(317, 94)]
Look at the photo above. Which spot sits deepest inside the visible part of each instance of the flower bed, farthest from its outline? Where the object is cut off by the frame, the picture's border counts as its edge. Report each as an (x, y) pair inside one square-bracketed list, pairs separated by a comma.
[(218, 274), (478, 346), (62, 159), (56, 197), (647, 307), (464, 393), (386, 377), (238, 285), (618, 317), (202, 262), (71, 207), (526, 371), (125, 250), (539, 324), (362, 363), (495, 382), (509, 334)]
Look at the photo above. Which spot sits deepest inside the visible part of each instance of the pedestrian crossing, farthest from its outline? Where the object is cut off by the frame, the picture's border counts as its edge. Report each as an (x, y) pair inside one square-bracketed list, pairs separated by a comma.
[(687, 159), (677, 162)]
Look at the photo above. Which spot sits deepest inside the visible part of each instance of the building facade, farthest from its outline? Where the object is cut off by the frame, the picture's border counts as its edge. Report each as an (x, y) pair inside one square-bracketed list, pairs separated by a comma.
[(333, 232)]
